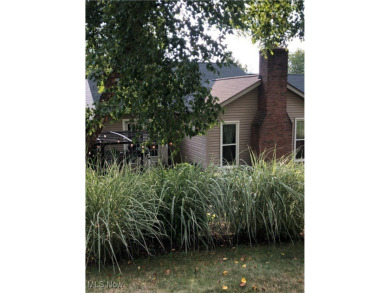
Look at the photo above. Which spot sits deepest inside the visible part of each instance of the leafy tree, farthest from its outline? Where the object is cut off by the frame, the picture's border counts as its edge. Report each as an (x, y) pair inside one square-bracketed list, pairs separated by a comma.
[(296, 62), (144, 56), (274, 23)]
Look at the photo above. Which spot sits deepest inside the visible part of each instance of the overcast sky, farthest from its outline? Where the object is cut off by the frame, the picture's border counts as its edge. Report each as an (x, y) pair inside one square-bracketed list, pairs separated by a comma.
[(248, 54)]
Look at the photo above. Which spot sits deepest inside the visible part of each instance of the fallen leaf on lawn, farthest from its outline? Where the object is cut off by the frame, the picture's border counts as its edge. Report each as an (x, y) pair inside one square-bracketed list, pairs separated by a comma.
[(225, 258), (235, 290), (255, 266), (267, 263), (242, 284), (236, 261), (224, 273), (299, 281), (244, 265), (224, 287), (254, 287), (233, 248), (139, 268), (167, 272), (129, 262), (295, 258), (249, 258), (282, 253), (242, 259), (243, 280)]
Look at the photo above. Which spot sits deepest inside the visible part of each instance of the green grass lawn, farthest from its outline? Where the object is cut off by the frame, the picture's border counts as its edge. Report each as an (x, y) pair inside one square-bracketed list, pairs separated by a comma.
[(278, 268)]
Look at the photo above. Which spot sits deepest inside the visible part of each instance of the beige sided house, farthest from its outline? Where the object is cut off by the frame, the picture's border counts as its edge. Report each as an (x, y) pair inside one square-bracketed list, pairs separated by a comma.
[(261, 112)]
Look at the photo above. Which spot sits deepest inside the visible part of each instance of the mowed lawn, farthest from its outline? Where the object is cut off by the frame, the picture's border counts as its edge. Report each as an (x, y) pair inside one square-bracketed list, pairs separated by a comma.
[(266, 268)]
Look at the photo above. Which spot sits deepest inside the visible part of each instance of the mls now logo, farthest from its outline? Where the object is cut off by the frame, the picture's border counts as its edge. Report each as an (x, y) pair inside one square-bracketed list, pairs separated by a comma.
[(101, 284)]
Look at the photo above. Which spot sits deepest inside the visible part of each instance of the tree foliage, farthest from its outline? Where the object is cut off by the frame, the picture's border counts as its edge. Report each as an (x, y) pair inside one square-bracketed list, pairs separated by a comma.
[(296, 62), (274, 23), (144, 56)]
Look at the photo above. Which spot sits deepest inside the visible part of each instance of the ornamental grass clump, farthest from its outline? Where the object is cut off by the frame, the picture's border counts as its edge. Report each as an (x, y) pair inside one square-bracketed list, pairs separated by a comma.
[(122, 215), (184, 190), (264, 201)]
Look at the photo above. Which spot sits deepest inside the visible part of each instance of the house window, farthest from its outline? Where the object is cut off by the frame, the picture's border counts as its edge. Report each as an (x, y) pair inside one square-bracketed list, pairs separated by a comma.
[(299, 142), (229, 143)]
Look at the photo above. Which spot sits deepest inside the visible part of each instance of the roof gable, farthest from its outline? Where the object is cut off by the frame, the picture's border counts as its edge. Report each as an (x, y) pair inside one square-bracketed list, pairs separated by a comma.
[(94, 90), (227, 89), (88, 95)]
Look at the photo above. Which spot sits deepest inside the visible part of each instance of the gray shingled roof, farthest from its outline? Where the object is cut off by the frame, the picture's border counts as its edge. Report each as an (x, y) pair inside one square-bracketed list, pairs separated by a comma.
[(224, 71), (297, 81)]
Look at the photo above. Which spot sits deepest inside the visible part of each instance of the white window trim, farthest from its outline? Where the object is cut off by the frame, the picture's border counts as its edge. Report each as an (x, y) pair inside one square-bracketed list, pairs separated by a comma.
[(237, 144), (295, 139)]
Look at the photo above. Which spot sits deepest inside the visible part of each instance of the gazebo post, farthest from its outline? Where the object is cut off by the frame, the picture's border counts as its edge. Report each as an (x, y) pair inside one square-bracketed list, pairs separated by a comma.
[(102, 155)]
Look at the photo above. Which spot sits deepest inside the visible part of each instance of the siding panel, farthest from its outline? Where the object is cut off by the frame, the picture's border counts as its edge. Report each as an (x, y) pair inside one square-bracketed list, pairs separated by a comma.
[(244, 110), (194, 149), (295, 109)]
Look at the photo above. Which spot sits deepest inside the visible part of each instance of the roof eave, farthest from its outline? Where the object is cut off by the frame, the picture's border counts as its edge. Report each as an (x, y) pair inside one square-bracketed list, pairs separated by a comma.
[(296, 91)]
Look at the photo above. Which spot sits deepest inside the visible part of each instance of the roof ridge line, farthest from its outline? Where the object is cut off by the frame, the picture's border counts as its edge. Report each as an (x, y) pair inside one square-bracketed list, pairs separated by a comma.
[(235, 77)]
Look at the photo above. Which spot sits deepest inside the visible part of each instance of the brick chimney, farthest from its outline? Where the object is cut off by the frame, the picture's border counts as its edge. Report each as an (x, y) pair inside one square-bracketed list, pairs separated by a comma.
[(272, 125)]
